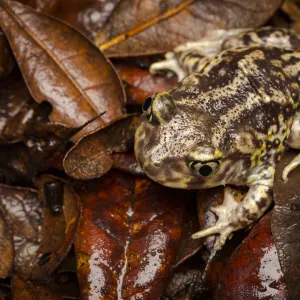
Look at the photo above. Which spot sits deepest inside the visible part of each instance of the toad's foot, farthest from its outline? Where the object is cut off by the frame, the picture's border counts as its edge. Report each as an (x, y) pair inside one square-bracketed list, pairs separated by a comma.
[(190, 57), (227, 222), (170, 64), (291, 166), (233, 216)]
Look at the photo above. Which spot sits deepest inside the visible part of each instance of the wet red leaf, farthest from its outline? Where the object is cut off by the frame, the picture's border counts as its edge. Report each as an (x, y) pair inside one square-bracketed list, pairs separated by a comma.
[(91, 157), (188, 246), (157, 26), (253, 271), (286, 225), (62, 67), (140, 84), (128, 237)]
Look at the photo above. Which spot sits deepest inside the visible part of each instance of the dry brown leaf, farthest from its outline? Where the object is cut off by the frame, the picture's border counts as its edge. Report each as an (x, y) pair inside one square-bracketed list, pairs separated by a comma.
[(158, 26)]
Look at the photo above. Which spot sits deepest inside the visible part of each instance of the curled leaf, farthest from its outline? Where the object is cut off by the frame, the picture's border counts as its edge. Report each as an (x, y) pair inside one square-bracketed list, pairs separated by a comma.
[(91, 157)]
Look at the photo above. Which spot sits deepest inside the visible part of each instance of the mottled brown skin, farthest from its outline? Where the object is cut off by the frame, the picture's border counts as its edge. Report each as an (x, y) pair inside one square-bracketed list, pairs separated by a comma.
[(201, 116), (229, 123)]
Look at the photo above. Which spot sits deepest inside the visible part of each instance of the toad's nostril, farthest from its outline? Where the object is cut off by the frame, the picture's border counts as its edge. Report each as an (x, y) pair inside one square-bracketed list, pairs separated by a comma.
[(147, 104)]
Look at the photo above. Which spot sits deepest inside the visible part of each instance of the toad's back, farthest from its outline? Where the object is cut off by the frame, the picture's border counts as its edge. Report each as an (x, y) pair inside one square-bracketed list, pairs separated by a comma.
[(254, 90)]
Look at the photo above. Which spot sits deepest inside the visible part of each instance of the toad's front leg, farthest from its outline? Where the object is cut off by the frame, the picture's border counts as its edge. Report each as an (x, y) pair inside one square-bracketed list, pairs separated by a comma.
[(233, 216)]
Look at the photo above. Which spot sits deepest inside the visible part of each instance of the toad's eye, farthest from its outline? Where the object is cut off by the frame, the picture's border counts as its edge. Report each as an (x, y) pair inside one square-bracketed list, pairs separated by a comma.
[(147, 110), (147, 104), (204, 168), (159, 109)]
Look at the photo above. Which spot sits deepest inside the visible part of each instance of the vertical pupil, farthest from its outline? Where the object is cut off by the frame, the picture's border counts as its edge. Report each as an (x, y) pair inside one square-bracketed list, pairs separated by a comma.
[(147, 104), (205, 170)]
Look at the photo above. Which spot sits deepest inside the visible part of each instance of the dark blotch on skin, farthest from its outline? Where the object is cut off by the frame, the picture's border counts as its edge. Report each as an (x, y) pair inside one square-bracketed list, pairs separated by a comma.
[(262, 203)]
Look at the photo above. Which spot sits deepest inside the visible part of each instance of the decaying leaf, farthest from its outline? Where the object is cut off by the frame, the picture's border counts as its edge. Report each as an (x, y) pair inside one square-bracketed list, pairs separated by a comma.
[(15, 164), (88, 16), (126, 162), (180, 283), (128, 237), (41, 238), (6, 248), (17, 108), (158, 26), (22, 211), (6, 59), (62, 67), (23, 289), (60, 221), (91, 157), (253, 271), (286, 225), (46, 6)]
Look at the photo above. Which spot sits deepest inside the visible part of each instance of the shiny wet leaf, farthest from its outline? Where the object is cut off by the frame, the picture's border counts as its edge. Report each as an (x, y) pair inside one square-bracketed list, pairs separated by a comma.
[(285, 223), (51, 56), (128, 237), (41, 238), (253, 271)]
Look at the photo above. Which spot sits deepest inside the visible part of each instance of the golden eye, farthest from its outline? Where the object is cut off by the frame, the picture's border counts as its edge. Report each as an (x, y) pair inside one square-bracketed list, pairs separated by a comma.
[(147, 110), (204, 168)]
